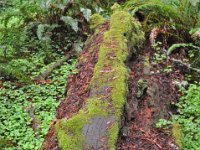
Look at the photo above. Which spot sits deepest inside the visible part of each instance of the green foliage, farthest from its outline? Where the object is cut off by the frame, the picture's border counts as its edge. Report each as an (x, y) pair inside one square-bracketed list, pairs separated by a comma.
[(174, 15), (176, 46), (70, 21), (188, 118), (162, 123), (168, 69), (188, 108), (86, 13), (28, 27), (160, 54), (32, 105)]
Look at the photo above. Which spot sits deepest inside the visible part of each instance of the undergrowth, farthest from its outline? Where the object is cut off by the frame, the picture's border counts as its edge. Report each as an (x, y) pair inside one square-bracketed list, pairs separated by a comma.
[(174, 16), (26, 112), (188, 119)]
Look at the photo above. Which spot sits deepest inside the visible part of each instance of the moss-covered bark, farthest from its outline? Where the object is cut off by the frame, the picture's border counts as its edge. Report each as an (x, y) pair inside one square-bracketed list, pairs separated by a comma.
[(102, 112)]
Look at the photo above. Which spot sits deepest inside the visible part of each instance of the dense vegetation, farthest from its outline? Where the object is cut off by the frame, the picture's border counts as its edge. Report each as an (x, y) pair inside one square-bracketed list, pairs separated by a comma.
[(178, 22), (36, 34)]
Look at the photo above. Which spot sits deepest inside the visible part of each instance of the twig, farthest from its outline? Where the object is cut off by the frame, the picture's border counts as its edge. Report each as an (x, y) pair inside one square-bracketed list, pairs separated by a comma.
[(176, 61), (51, 67)]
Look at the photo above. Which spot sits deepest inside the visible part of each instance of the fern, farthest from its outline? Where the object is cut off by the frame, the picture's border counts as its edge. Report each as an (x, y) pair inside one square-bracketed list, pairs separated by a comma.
[(73, 23), (175, 46), (11, 72), (24, 14), (174, 14)]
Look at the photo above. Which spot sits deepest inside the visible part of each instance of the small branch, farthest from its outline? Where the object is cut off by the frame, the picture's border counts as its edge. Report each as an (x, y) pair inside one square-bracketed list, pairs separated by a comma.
[(51, 67), (176, 61)]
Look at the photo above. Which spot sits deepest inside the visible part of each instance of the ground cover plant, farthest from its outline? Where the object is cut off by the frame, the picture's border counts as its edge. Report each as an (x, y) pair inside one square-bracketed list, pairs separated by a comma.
[(26, 112), (185, 124)]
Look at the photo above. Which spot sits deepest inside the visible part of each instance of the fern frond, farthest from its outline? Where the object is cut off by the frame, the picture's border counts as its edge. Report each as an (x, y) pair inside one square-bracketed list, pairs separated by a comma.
[(182, 13), (175, 46)]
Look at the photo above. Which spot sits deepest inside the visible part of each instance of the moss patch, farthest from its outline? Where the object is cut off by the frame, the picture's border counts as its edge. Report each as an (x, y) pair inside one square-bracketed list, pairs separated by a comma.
[(113, 135), (96, 20), (177, 134), (116, 7), (110, 71), (141, 86), (69, 132)]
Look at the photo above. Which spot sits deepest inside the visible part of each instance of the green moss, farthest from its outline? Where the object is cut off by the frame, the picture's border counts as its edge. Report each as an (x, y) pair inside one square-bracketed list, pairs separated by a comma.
[(146, 61), (96, 20), (116, 7), (177, 134), (69, 132), (112, 55), (121, 21), (141, 86), (113, 135)]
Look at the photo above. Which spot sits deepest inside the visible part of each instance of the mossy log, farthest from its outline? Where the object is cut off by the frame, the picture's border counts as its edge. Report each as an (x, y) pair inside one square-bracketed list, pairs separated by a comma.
[(97, 124)]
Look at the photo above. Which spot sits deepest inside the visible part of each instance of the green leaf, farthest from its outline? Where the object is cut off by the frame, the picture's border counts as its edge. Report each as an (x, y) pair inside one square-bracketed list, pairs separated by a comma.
[(86, 13), (70, 21), (40, 31), (194, 2)]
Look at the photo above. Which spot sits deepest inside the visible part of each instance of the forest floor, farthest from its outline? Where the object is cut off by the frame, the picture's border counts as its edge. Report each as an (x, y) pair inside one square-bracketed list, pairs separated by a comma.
[(155, 101)]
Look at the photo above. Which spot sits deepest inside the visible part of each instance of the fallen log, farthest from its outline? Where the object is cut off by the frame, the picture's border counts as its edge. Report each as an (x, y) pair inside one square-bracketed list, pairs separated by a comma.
[(97, 124)]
